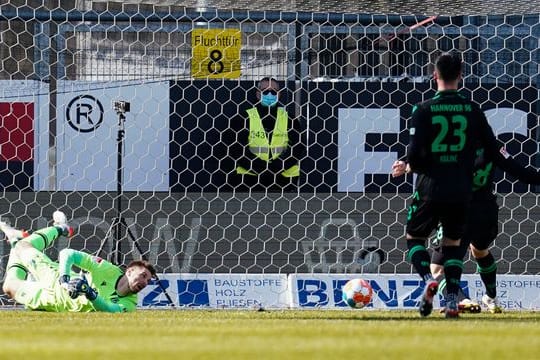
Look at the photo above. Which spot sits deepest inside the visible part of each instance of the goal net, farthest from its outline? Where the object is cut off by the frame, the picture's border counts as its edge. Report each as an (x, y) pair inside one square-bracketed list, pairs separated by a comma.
[(157, 179)]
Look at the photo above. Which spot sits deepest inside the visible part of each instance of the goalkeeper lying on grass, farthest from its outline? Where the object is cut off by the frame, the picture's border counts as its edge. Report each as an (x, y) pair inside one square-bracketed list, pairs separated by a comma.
[(37, 282)]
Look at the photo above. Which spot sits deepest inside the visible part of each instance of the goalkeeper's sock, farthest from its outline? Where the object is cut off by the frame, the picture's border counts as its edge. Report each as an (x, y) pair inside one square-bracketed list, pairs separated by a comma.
[(16, 272), (487, 268), (419, 257), (453, 268), (14, 269), (43, 238)]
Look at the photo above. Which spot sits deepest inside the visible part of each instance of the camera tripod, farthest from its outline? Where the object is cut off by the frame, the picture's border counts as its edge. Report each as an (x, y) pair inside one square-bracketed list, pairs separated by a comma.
[(119, 222)]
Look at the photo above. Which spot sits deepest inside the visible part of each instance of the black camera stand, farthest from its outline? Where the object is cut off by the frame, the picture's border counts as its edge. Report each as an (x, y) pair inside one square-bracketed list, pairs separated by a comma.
[(119, 223)]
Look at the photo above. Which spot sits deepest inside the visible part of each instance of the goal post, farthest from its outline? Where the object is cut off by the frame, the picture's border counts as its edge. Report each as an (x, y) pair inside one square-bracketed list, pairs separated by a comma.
[(350, 80)]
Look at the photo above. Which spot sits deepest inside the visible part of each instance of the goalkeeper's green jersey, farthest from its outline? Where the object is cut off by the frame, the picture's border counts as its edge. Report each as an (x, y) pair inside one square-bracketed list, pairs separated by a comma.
[(44, 291), (102, 276)]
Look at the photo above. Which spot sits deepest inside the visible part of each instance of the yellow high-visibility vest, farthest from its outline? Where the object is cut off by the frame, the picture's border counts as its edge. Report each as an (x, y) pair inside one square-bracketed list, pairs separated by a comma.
[(264, 149)]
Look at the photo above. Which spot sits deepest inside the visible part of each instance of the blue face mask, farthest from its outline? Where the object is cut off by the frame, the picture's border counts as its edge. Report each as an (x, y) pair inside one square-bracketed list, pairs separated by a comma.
[(269, 100)]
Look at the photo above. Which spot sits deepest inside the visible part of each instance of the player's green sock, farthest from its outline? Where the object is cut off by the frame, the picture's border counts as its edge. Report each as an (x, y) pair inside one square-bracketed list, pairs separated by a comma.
[(442, 290), (442, 287), (487, 268), (43, 238), (419, 257), (453, 267)]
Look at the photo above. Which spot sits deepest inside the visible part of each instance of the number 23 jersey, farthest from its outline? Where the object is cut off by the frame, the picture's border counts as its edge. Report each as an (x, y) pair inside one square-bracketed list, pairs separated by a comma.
[(444, 134)]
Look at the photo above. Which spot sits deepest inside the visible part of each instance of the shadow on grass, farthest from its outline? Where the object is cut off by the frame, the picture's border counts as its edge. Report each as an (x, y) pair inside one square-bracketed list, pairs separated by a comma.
[(333, 315)]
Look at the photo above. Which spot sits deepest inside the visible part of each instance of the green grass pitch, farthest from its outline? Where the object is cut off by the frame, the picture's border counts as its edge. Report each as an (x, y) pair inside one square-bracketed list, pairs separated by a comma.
[(308, 334)]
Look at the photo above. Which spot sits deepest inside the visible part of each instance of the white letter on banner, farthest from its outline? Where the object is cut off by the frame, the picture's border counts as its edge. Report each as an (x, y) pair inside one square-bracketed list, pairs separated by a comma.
[(353, 161), (506, 120)]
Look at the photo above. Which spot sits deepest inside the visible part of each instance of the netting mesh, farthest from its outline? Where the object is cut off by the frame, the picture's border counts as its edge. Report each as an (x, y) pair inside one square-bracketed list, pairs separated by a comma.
[(350, 79), (438, 7)]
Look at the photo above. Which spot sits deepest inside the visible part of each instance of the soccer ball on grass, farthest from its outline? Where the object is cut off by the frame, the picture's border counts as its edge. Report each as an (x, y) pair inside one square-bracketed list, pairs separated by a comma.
[(357, 293)]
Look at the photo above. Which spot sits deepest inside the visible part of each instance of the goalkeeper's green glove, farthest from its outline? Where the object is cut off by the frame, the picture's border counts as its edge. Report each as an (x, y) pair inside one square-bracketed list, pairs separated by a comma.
[(84, 288), (66, 285), (77, 287)]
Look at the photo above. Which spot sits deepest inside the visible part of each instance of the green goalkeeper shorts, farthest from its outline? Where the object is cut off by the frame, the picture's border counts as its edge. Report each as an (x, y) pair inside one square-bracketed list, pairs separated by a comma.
[(43, 291)]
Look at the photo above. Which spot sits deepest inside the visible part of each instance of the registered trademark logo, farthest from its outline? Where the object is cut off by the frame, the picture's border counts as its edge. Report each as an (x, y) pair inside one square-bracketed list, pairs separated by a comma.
[(84, 113)]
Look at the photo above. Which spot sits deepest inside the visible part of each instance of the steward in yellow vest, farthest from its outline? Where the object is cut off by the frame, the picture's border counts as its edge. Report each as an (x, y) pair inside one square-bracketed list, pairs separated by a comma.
[(270, 141), (265, 149)]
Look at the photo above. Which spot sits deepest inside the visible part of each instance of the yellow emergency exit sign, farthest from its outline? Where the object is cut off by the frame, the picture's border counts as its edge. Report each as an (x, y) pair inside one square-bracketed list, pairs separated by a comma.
[(216, 53)]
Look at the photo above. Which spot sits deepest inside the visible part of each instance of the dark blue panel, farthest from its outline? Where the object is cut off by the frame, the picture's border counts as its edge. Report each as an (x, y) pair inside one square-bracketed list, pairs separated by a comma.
[(193, 293), (17, 175)]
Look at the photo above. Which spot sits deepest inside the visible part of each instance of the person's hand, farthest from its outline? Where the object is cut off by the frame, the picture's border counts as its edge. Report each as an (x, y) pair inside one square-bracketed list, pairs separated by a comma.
[(64, 283), (77, 287), (84, 288), (73, 288), (399, 168)]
